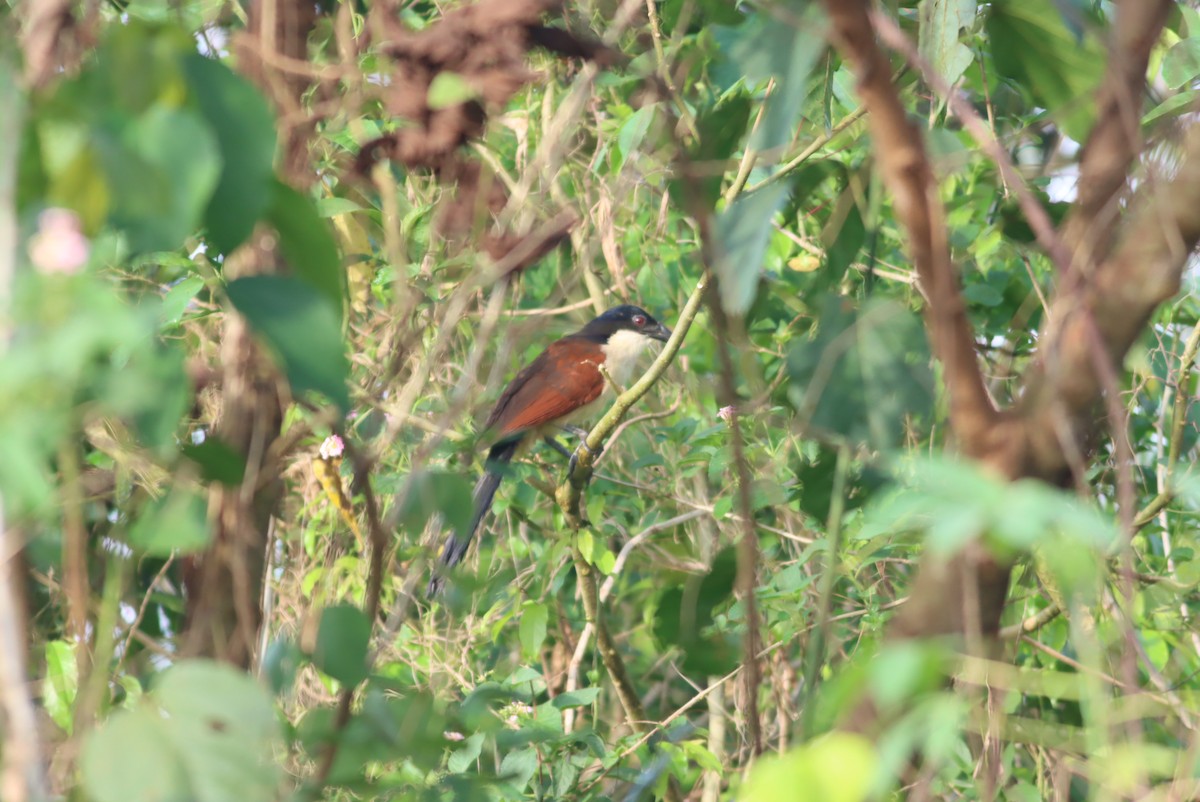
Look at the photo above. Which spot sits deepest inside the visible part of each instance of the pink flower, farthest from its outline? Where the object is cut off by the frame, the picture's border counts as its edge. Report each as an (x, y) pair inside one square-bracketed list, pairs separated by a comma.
[(333, 447), (726, 414), (59, 245), (451, 735)]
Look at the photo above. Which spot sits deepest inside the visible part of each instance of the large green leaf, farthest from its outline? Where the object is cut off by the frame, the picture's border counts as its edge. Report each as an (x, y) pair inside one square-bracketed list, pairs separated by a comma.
[(720, 128), (181, 146), (743, 230), (207, 733), (864, 373), (176, 523), (687, 611), (781, 46), (342, 641), (245, 130), (306, 243), (1032, 45), (303, 329), (839, 767), (437, 493), (942, 22), (534, 616)]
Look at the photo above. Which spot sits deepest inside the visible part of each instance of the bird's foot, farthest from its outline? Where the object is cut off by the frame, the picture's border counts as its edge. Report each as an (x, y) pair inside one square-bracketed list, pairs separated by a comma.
[(585, 456)]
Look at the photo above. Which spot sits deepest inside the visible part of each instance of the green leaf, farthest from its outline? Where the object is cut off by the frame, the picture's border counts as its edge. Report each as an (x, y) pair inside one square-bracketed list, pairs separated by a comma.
[(61, 683), (181, 145), (302, 328), (437, 493), (280, 664), (587, 545), (534, 616), (743, 230), (1181, 65), (764, 47), (132, 757), (176, 523), (245, 130), (342, 642), (217, 460), (1173, 106), (464, 757), (207, 733), (306, 242), (843, 236), (864, 373), (633, 131), (838, 767), (1032, 46), (684, 613), (720, 128), (333, 206), (580, 698), (519, 767), (449, 89), (223, 726), (176, 301), (939, 36)]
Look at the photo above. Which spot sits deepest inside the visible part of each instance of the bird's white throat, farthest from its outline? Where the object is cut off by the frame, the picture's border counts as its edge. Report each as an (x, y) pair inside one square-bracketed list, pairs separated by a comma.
[(621, 353)]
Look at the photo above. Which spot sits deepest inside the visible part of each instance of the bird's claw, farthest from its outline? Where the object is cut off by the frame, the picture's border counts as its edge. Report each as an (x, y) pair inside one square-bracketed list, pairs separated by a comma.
[(583, 449)]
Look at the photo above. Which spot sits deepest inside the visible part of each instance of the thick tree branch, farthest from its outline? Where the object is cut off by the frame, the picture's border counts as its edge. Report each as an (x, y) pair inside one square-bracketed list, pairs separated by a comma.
[(907, 174), (1064, 386), (1116, 140)]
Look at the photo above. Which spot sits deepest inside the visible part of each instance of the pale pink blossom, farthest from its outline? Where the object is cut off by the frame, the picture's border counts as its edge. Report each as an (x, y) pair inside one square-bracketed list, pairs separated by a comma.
[(59, 245), (726, 414), (333, 447)]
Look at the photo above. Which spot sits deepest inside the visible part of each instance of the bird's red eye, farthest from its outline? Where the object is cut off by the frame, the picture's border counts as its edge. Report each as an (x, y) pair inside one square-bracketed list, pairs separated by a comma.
[(639, 320)]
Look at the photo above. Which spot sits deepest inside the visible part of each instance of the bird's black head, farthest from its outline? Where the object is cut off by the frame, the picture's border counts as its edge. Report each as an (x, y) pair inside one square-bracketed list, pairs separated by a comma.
[(625, 318)]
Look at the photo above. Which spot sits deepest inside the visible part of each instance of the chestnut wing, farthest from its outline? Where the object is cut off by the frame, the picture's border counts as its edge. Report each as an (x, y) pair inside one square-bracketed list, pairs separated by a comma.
[(562, 379)]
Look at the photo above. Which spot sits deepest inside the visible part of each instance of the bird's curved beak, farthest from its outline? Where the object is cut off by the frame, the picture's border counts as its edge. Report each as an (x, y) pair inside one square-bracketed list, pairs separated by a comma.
[(659, 332)]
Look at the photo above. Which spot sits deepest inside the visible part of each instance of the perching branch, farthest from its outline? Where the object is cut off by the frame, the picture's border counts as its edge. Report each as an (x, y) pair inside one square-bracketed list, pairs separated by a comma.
[(906, 172), (570, 492)]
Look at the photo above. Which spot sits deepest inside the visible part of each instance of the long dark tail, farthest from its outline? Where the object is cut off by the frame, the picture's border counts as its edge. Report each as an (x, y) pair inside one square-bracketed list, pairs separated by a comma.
[(458, 543)]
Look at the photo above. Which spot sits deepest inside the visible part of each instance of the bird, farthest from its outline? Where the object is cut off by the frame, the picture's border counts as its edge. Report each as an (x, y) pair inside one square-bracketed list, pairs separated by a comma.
[(565, 383)]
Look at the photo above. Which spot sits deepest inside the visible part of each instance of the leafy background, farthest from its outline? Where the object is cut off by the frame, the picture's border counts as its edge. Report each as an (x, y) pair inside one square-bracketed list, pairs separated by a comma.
[(216, 183)]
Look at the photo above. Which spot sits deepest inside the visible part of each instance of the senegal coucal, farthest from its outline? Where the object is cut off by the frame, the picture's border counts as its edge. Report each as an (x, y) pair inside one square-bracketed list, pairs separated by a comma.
[(562, 385)]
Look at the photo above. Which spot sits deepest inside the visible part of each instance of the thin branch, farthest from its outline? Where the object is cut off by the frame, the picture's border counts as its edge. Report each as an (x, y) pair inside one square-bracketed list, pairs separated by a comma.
[(816, 644), (378, 539), (746, 578), (570, 492), (906, 172)]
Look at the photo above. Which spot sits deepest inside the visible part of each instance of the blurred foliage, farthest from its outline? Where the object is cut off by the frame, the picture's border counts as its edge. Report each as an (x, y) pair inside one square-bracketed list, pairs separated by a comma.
[(168, 157)]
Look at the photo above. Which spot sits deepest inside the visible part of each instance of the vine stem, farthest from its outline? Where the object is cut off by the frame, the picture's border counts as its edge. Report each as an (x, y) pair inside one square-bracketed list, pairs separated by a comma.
[(816, 645)]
